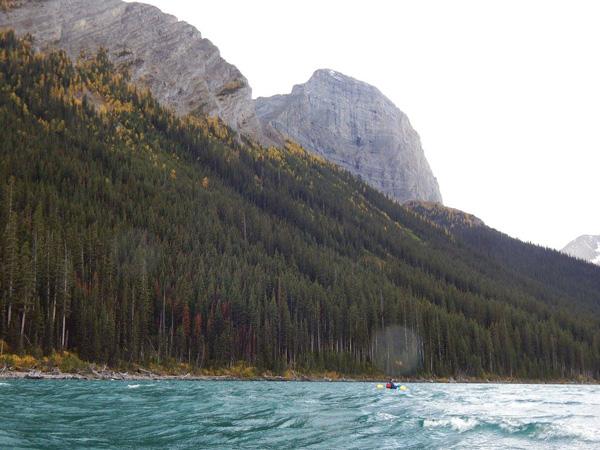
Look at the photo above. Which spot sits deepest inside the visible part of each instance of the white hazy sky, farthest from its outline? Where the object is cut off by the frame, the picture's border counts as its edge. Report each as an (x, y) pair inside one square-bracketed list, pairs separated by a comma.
[(504, 94)]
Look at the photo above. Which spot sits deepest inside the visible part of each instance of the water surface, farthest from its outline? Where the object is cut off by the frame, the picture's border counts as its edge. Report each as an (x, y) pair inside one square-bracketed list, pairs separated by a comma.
[(275, 415)]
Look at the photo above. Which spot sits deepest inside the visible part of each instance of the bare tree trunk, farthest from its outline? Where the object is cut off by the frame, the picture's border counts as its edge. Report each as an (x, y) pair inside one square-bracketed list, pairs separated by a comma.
[(64, 325), (12, 230), (161, 328), (381, 306), (64, 311), (54, 309), (172, 338), (22, 328), (10, 286)]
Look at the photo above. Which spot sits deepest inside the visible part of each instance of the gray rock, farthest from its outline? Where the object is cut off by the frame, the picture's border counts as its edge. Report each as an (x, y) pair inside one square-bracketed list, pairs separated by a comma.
[(586, 247), (354, 125), (184, 71)]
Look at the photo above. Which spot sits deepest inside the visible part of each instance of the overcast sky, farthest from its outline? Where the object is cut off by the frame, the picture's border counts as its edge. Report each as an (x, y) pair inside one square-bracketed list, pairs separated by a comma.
[(504, 94)]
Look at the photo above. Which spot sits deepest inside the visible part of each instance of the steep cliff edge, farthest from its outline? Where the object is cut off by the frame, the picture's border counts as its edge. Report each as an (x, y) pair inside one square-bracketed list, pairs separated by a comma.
[(183, 70), (354, 125)]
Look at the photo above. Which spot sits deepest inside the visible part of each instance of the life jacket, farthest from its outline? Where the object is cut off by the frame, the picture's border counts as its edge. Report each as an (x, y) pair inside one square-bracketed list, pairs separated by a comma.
[(388, 385)]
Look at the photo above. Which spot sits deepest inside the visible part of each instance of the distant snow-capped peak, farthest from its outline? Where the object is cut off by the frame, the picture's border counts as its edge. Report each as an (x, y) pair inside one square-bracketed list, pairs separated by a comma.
[(585, 247)]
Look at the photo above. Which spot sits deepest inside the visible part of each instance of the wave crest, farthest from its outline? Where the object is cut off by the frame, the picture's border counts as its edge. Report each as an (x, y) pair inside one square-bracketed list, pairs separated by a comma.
[(456, 423)]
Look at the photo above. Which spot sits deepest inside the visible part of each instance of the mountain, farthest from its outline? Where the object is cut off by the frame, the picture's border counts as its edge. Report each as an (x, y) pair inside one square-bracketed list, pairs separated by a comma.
[(584, 247), (355, 126), (183, 70), (343, 120), (131, 235)]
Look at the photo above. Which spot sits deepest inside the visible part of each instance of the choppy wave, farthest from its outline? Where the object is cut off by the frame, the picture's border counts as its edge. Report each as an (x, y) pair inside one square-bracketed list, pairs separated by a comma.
[(534, 431), (118, 414), (455, 423)]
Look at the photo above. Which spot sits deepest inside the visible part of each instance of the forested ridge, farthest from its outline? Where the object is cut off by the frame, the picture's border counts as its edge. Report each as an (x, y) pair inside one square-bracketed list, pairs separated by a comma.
[(573, 282), (129, 234)]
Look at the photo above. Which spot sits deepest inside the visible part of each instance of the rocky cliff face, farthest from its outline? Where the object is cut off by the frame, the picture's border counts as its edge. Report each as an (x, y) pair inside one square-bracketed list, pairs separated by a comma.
[(355, 126), (585, 247), (184, 71), (346, 121)]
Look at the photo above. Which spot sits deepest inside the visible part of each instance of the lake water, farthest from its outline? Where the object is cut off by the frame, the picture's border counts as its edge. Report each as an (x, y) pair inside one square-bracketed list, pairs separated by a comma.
[(279, 415)]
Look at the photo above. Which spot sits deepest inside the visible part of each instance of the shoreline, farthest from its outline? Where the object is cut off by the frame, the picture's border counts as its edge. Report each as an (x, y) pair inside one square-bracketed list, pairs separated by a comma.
[(144, 375)]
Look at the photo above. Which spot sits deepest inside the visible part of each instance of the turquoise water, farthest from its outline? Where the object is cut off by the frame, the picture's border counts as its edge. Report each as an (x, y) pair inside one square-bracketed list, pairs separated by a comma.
[(272, 415)]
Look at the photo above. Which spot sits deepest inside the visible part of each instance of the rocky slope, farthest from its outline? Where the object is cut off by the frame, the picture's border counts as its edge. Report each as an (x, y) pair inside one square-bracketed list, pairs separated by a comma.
[(585, 247), (354, 125), (185, 71)]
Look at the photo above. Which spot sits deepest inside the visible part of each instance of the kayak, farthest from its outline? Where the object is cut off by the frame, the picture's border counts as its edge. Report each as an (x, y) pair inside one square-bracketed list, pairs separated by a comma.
[(401, 387)]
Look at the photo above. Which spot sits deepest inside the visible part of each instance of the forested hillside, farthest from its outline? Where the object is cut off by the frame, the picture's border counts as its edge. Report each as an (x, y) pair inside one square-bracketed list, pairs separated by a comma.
[(130, 234), (574, 282)]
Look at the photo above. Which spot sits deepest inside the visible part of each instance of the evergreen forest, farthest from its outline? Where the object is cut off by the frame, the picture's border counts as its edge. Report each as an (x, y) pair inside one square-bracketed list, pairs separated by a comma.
[(130, 235)]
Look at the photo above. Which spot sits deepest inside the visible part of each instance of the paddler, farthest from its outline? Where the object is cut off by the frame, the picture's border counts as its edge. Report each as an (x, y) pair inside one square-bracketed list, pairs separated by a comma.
[(390, 384)]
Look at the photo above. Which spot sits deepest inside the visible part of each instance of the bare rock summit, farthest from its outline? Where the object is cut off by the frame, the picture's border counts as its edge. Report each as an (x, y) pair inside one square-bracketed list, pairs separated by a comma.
[(183, 70), (586, 247), (353, 125)]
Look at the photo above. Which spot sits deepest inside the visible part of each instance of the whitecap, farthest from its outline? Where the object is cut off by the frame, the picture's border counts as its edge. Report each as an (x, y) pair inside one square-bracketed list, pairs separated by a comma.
[(386, 416), (133, 386), (567, 431), (456, 423), (4, 384)]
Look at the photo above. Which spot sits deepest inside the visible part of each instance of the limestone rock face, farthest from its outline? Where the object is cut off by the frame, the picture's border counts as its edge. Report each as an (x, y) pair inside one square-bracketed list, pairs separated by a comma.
[(354, 125), (183, 70)]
